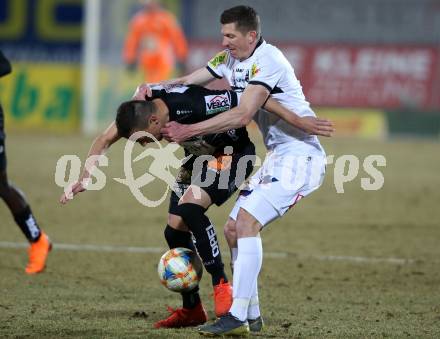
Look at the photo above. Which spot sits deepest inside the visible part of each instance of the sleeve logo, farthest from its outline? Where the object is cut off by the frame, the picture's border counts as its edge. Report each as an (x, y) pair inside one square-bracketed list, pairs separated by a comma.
[(219, 59)]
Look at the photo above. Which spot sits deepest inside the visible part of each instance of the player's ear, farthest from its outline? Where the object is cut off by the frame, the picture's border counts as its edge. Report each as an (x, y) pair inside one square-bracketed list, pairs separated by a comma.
[(252, 36), (153, 119)]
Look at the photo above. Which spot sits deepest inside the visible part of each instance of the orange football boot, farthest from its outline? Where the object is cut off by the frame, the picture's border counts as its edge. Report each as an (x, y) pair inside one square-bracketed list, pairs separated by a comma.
[(222, 298), (38, 252)]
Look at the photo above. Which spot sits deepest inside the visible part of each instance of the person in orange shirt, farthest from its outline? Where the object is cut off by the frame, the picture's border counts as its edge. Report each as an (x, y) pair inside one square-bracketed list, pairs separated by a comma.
[(155, 42)]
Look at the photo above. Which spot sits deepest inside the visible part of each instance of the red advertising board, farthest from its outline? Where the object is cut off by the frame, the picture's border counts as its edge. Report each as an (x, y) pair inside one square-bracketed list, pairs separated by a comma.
[(357, 76)]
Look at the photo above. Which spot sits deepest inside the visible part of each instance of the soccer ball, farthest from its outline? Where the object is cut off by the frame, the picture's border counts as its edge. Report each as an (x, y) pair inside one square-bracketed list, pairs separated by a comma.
[(180, 269)]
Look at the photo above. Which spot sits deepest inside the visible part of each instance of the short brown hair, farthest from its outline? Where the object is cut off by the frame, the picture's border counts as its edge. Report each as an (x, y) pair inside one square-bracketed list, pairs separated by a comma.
[(133, 115), (245, 18)]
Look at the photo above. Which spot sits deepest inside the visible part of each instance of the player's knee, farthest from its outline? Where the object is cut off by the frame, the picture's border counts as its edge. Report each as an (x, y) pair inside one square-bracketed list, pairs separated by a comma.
[(177, 223), (195, 195), (190, 212), (246, 225), (229, 230), (176, 238)]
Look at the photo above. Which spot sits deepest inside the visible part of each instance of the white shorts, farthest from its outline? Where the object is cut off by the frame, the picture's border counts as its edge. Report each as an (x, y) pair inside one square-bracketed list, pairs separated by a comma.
[(279, 184)]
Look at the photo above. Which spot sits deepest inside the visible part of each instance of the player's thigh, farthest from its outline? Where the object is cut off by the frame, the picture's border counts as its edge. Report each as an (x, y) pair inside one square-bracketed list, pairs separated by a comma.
[(178, 190), (281, 184), (196, 195), (174, 220), (221, 177)]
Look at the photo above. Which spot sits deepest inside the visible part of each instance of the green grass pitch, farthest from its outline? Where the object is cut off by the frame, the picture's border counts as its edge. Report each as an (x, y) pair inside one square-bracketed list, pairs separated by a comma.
[(323, 276)]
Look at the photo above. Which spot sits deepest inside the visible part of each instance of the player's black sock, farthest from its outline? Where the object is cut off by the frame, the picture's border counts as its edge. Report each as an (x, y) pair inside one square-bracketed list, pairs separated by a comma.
[(176, 238), (206, 239), (191, 299), (28, 225)]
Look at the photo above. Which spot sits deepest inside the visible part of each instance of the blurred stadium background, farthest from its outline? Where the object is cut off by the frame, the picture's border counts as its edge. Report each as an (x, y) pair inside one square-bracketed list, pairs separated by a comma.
[(371, 66)]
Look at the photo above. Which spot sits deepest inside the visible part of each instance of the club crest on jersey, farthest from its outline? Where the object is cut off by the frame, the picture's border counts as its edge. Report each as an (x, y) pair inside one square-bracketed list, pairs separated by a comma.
[(219, 59), (254, 70), (217, 103)]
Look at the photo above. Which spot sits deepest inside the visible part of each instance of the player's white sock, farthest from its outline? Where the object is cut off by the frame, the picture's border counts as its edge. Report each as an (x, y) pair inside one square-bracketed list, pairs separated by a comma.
[(246, 270)]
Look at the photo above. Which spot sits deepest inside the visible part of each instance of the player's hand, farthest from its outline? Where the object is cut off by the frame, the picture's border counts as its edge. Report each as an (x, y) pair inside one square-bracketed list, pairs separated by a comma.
[(142, 91), (173, 131), (71, 191), (316, 126)]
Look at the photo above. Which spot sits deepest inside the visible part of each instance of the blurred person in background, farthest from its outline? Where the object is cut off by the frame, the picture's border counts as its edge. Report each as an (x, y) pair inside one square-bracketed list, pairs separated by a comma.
[(155, 42), (39, 242)]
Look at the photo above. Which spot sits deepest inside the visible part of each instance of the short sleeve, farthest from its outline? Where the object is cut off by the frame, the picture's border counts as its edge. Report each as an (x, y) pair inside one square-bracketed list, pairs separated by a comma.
[(217, 65), (266, 71)]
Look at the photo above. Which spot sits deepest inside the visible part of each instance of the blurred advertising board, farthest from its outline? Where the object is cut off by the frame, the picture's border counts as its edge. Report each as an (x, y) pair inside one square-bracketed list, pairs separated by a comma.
[(42, 39), (41, 97), (357, 76)]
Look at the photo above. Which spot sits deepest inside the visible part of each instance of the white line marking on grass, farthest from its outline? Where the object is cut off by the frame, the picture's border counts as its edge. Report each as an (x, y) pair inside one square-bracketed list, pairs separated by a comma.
[(271, 255)]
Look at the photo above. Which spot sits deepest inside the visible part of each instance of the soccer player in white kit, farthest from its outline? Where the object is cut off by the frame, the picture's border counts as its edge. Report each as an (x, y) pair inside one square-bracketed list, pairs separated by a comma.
[(295, 162)]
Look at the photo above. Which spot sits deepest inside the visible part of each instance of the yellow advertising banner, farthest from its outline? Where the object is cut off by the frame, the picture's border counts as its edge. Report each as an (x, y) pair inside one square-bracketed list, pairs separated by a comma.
[(41, 97), (355, 122)]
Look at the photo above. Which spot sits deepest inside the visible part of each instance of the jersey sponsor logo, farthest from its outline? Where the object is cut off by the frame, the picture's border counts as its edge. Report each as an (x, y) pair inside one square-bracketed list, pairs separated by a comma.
[(217, 103), (240, 77), (183, 111), (220, 58), (213, 240)]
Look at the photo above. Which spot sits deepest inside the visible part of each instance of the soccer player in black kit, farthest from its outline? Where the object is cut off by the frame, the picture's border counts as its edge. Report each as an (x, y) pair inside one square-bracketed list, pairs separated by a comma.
[(17, 204), (188, 104), (187, 209)]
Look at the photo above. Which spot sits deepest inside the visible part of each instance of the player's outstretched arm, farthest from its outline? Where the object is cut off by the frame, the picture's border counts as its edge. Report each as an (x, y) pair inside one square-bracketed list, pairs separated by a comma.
[(251, 100), (99, 146), (310, 125), (200, 77)]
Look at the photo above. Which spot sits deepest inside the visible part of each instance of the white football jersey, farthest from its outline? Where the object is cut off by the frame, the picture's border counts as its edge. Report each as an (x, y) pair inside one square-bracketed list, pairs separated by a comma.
[(267, 66)]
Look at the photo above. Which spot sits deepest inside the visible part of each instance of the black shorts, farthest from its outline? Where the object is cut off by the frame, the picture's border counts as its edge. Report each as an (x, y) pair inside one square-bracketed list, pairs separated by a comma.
[(2, 142), (220, 177)]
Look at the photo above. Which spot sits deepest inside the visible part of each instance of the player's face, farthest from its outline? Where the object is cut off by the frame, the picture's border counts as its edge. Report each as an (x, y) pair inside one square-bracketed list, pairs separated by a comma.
[(154, 126), (239, 44)]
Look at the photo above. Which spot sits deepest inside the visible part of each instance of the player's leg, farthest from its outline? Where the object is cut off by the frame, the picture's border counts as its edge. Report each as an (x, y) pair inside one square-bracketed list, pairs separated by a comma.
[(198, 198), (192, 208), (282, 182), (246, 270), (23, 216), (254, 318), (229, 228), (177, 234)]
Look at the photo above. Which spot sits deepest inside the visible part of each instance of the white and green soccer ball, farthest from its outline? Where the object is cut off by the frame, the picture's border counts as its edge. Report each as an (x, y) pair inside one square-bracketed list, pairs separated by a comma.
[(180, 269)]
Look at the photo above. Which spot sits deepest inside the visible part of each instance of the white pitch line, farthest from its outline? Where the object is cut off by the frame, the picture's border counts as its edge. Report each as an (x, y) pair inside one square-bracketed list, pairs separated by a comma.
[(271, 255)]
